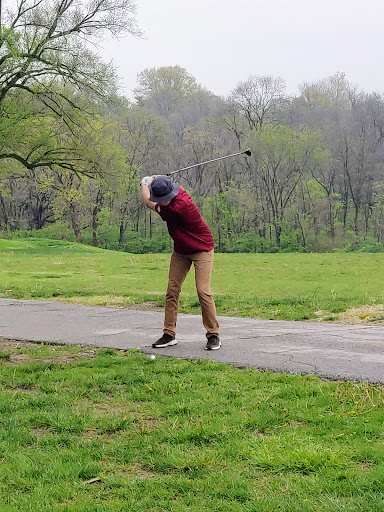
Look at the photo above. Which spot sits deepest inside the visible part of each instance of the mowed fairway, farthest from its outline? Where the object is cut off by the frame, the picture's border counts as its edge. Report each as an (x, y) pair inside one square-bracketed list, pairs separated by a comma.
[(275, 286)]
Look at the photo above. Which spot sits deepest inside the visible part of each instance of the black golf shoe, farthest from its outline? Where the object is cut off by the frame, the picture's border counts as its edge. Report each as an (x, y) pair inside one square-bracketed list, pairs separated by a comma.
[(213, 342), (165, 341)]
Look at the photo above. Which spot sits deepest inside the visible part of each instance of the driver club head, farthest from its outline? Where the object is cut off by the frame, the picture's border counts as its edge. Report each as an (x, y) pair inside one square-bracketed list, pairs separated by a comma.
[(247, 152)]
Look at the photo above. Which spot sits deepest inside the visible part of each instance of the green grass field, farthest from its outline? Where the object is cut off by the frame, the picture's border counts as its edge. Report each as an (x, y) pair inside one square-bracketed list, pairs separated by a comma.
[(85, 430), (275, 286)]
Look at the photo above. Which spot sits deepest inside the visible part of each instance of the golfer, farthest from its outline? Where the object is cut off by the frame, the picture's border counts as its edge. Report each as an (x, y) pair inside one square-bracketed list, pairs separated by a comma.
[(193, 243)]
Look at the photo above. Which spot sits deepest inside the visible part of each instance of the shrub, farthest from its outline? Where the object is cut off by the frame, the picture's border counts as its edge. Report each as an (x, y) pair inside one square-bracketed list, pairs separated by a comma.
[(56, 231), (370, 244)]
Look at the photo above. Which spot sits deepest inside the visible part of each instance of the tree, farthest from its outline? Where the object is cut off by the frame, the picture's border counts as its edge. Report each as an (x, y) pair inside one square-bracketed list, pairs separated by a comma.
[(281, 156), (161, 89), (259, 99), (144, 137), (47, 69)]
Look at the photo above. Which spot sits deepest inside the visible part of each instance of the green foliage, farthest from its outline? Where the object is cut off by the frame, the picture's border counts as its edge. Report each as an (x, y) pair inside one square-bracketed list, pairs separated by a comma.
[(160, 242), (248, 243), (315, 190), (9, 38), (164, 88), (137, 244), (52, 83), (370, 244), (287, 148), (108, 238), (56, 231)]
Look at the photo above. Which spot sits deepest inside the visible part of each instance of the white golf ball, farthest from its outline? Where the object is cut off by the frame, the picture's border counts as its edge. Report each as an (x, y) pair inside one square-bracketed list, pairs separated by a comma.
[(152, 357)]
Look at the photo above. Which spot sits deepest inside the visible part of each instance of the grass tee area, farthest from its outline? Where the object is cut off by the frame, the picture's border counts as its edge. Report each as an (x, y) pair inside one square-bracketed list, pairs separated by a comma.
[(86, 430), (348, 286)]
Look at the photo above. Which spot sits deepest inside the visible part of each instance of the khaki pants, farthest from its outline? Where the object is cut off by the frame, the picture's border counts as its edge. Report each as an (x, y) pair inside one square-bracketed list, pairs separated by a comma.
[(178, 270)]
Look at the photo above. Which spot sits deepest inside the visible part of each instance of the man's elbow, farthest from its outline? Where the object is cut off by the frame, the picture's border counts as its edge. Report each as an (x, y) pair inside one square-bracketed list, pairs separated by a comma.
[(149, 204)]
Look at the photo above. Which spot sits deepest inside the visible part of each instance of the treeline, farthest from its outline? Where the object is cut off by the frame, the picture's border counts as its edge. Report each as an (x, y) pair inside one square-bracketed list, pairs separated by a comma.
[(72, 151)]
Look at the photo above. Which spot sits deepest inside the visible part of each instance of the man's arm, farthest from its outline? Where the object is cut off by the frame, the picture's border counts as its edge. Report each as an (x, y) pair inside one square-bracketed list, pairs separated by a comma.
[(145, 192)]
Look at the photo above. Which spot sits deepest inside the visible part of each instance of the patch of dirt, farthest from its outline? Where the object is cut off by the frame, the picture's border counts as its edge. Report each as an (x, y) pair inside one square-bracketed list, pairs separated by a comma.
[(7, 345), (39, 432), (23, 389), (126, 411), (298, 424), (369, 315), (134, 471), (366, 465), (18, 359), (102, 410), (90, 435), (141, 472), (363, 315), (11, 347)]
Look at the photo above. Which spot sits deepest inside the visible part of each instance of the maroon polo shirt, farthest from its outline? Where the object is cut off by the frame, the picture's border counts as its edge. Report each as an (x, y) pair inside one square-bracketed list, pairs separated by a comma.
[(185, 225)]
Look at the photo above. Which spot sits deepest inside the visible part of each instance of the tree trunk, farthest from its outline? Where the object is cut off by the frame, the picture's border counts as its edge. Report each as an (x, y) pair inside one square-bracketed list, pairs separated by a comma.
[(277, 233), (95, 225), (356, 219), (4, 219), (74, 215), (121, 234), (331, 218), (95, 217), (303, 237)]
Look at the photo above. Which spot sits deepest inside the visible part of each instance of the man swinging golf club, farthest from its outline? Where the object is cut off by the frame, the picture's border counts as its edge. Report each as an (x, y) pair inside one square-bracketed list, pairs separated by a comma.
[(193, 243)]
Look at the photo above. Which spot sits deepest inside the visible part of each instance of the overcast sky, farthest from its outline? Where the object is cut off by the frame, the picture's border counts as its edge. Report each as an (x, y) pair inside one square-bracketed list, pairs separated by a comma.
[(222, 42)]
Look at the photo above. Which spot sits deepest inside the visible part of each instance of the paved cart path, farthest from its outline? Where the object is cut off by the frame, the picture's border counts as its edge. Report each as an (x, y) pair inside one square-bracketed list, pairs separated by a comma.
[(335, 351)]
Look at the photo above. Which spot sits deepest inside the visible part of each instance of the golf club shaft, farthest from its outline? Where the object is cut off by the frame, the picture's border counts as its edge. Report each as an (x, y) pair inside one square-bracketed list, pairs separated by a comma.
[(247, 151)]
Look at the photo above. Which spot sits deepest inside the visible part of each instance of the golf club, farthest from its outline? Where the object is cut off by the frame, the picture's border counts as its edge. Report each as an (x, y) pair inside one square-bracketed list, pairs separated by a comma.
[(246, 152)]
